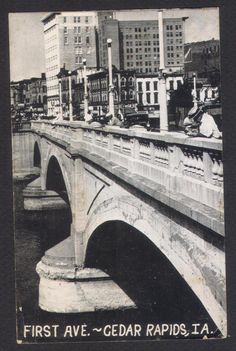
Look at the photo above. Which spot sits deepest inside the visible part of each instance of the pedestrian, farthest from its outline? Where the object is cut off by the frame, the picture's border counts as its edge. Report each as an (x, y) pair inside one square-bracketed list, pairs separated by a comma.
[(200, 123)]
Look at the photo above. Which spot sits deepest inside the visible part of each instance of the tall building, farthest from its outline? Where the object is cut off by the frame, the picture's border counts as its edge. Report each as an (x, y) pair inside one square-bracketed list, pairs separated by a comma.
[(136, 44), (69, 37)]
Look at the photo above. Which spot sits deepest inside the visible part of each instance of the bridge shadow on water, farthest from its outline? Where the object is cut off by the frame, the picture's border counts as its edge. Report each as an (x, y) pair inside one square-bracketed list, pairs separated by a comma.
[(144, 273), (133, 262)]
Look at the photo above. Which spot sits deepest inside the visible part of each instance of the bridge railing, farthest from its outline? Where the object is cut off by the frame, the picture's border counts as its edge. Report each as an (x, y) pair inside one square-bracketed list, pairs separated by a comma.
[(183, 165)]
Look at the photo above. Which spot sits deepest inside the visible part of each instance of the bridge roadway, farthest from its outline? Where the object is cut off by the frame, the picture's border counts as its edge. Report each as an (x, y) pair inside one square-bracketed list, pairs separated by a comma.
[(167, 186)]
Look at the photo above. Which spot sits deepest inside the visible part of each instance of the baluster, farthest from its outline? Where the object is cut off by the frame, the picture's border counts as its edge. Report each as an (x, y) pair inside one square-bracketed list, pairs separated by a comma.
[(215, 168), (220, 171)]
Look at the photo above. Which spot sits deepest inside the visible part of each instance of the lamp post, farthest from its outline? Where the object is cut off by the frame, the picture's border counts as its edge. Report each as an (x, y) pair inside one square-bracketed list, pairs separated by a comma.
[(70, 99), (111, 86), (85, 92), (194, 90), (60, 100), (162, 79)]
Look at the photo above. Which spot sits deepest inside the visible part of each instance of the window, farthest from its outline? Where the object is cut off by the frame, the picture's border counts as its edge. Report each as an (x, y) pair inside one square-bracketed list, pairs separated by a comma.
[(64, 19), (147, 86), (148, 95), (155, 98), (171, 85), (155, 85), (140, 86), (65, 29), (76, 40), (131, 81), (87, 40), (123, 81), (65, 40), (86, 19)]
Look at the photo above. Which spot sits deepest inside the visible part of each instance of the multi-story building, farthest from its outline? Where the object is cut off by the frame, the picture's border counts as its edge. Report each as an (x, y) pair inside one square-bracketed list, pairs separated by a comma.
[(124, 90), (77, 90), (202, 58), (70, 37), (136, 44), (37, 93), (147, 88), (29, 94)]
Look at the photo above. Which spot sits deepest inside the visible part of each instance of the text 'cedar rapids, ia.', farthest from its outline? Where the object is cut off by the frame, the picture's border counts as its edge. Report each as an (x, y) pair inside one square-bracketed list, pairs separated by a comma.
[(117, 330)]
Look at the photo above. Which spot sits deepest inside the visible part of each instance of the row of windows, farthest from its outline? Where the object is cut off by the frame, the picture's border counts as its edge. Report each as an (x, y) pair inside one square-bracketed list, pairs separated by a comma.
[(52, 58), (78, 40), (140, 29), (52, 68), (78, 19), (171, 27), (209, 50), (142, 36), (52, 87), (148, 43), (148, 86), (51, 78), (148, 98), (171, 54), (50, 39), (78, 29), (171, 34), (140, 50), (78, 59), (51, 48)]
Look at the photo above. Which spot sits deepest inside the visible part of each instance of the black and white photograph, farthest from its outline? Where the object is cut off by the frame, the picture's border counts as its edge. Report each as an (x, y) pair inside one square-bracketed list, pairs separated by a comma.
[(118, 177)]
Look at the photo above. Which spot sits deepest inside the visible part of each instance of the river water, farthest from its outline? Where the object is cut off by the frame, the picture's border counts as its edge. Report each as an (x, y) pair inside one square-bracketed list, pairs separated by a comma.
[(166, 306)]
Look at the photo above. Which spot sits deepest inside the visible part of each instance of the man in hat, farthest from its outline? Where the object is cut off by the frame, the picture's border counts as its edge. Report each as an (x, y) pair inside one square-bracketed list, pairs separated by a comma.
[(201, 123)]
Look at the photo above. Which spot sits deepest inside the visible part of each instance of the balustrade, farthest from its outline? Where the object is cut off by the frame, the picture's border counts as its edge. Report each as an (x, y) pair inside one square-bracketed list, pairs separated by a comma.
[(192, 163)]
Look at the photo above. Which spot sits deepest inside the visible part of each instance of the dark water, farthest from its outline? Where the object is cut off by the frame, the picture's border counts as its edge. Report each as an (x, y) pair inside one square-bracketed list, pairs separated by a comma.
[(162, 297)]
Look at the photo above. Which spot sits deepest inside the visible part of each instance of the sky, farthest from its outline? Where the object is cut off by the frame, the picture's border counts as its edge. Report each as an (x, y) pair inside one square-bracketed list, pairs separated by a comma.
[(27, 42)]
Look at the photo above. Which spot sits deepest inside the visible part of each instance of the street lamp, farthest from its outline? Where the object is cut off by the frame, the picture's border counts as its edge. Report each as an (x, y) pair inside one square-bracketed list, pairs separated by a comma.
[(194, 90), (111, 86), (60, 100), (162, 78), (85, 92), (70, 99)]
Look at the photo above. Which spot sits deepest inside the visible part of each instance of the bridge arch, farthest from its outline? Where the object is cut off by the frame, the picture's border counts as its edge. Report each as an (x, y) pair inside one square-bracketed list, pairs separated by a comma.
[(159, 231), (37, 155), (54, 160), (55, 179)]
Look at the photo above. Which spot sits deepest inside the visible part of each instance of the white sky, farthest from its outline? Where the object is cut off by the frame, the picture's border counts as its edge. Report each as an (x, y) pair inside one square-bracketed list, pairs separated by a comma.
[(27, 43)]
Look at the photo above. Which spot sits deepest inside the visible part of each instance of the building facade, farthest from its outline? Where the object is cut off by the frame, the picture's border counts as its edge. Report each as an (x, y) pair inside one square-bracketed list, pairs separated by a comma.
[(29, 94), (136, 44), (147, 89), (202, 59), (124, 90), (70, 37)]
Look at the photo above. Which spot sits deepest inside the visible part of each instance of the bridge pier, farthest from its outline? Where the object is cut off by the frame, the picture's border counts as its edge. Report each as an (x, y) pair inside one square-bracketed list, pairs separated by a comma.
[(65, 288), (36, 199)]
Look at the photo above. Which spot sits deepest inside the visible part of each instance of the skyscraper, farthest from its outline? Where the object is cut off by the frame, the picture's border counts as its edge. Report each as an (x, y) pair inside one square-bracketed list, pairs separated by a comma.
[(70, 37)]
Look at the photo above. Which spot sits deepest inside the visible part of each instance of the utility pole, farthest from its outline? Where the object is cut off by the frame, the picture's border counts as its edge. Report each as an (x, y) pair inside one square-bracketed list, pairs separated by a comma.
[(60, 101), (194, 90), (162, 78), (70, 99), (85, 92), (111, 86)]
